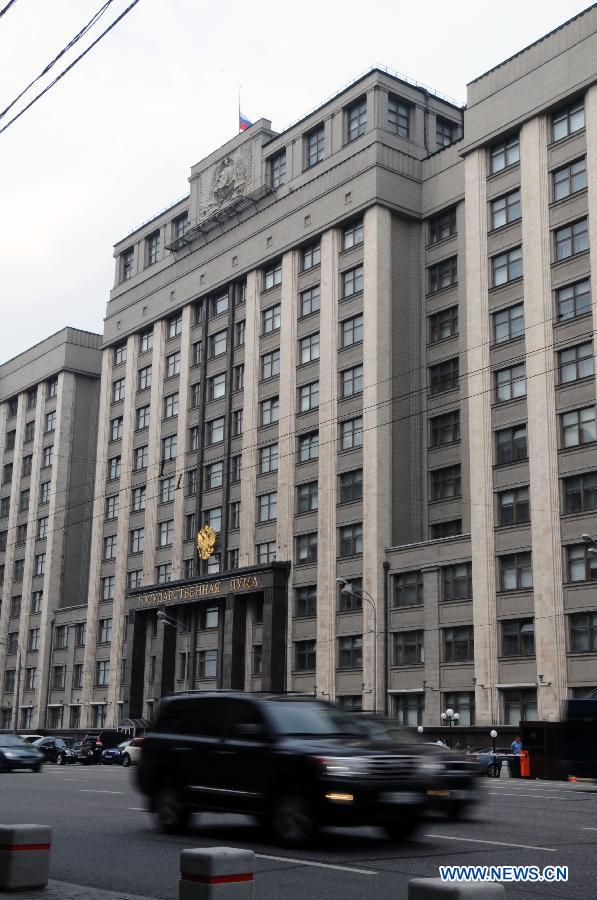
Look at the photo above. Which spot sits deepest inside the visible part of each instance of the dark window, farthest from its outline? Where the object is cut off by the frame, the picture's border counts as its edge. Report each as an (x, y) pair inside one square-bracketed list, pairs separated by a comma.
[(568, 120), (508, 324), (307, 497), (350, 652), (583, 632), (445, 483), (350, 595), (578, 427), (356, 119), (505, 209), (518, 637), (574, 299), (351, 381), (311, 257), (580, 493), (513, 506), (442, 226), (351, 539), (398, 116), (408, 589), (511, 444), (504, 154), (510, 383), (305, 601), (444, 429), (445, 132), (350, 486), (576, 363), (408, 648), (443, 324), (443, 376), (306, 548), (352, 281), (308, 446), (304, 656), (570, 179), (457, 582), (571, 239), (458, 644), (315, 146), (351, 331), (446, 529), (516, 572), (408, 709), (519, 706), (351, 434), (442, 275), (277, 167), (506, 267)]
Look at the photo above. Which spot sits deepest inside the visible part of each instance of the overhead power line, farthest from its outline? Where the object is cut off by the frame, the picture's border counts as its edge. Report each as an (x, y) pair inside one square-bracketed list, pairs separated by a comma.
[(69, 67), (7, 7), (70, 44)]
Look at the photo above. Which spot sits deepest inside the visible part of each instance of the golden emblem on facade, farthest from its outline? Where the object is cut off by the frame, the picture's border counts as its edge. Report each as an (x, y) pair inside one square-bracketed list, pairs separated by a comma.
[(206, 541)]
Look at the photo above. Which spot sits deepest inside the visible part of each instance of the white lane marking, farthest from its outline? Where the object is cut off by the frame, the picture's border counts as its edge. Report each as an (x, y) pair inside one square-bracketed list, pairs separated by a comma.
[(588, 828), (306, 862), (138, 808), (540, 789), (450, 837), (95, 791), (520, 794)]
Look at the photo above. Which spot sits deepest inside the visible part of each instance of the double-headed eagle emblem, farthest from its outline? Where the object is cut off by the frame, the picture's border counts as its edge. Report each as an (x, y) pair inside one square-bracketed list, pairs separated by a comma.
[(206, 541)]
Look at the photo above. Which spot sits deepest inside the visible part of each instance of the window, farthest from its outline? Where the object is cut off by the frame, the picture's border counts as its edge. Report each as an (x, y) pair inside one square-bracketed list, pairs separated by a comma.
[(583, 632), (446, 529), (267, 507), (36, 601), (277, 169), (443, 324), (152, 248), (442, 275), (140, 458), (445, 132), (350, 487), (15, 607), (445, 483), (39, 564), (504, 154), (508, 324), (304, 656), (306, 548), (21, 533), (214, 431), (234, 514), (18, 570), (24, 500), (269, 411), (444, 429), (142, 418), (506, 267), (270, 319), (191, 489), (516, 573), (315, 146), (408, 648), (308, 396), (239, 333), (505, 209), (52, 389), (571, 239), (13, 405), (31, 398), (137, 540), (216, 386), (173, 364), (350, 595), (266, 552), (214, 475), (195, 399), (576, 363), (163, 573), (190, 526), (518, 637), (80, 634), (442, 226), (7, 472), (144, 378), (169, 447), (116, 428), (213, 518), (10, 440), (309, 348), (196, 353), (408, 709), (126, 264), (457, 582), (310, 301), (311, 257), (268, 459), (217, 343), (351, 381), (356, 119), (9, 681), (462, 702), (166, 533), (398, 116), (350, 652), (351, 540), (119, 354), (513, 506), (139, 499), (308, 446), (233, 558), (305, 602), (206, 663), (33, 639), (4, 506), (307, 497), (511, 444), (443, 376), (108, 587), (218, 305), (146, 341), (237, 422), (351, 433), (42, 528), (170, 406), (519, 706), (30, 678), (352, 281), (578, 427), (351, 331), (408, 589), (510, 383), (194, 437), (353, 235), (235, 468), (580, 493), (458, 644), (272, 276), (50, 423), (568, 120), (78, 676), (574, 299), (270, 364), (29, 432), (180, 226), (570, 179)]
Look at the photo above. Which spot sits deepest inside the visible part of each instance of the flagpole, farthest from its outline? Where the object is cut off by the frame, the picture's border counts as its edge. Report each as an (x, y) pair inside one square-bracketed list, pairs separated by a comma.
[(239, 87)]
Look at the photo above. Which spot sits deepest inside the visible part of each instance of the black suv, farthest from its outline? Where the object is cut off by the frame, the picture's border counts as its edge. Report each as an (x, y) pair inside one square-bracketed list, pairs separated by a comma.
[(93, 745), (295, 763)]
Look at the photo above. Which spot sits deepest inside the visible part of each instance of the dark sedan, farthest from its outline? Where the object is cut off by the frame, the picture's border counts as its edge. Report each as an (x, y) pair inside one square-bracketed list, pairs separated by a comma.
[(57, 750), (113, 755), (17, 754)]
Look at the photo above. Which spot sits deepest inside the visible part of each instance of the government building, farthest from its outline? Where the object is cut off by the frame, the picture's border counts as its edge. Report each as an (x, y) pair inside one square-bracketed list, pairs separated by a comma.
[(339, 434)]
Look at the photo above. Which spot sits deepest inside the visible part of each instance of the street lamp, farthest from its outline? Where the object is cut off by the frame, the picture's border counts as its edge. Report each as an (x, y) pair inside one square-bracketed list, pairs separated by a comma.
[(592, 548), (348, 588), (166, 619), (452, 719), (18, 688), (493, 735), (420, 729)]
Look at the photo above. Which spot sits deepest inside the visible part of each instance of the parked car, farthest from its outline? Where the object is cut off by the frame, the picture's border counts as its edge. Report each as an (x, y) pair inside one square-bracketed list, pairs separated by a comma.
[(113, 755), (30, 738), (57, 750), (93, 745), (491, 761), (131, 755), (18, 754), (295, 763)]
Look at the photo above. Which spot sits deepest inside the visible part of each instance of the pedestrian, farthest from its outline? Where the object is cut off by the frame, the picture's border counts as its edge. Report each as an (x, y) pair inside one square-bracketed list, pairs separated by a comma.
[(516, 746)]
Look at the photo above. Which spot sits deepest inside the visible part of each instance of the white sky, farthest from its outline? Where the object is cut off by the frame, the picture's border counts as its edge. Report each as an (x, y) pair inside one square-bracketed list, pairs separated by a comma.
[(112, 144)]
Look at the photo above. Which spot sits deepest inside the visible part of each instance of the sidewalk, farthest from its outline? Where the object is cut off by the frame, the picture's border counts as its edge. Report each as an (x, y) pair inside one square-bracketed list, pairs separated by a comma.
[(63, 890)]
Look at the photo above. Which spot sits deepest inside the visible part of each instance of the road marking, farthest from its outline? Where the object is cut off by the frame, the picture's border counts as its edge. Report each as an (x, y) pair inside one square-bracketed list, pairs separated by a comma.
[(588, 828), (138, 808), (449, 837), (95, 791), (319, 865), (520, 794)]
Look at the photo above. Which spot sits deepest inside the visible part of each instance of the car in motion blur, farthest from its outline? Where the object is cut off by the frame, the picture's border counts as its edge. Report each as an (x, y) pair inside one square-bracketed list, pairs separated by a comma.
[(58, 750), (295, 763), (15, 753)]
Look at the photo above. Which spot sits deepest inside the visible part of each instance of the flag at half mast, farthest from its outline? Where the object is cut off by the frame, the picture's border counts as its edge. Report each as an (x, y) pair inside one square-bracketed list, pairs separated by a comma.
[(243, 122)]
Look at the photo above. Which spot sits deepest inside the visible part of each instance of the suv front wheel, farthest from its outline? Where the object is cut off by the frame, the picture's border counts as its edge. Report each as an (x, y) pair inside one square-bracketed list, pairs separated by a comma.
[(292, 820), (171, 813)]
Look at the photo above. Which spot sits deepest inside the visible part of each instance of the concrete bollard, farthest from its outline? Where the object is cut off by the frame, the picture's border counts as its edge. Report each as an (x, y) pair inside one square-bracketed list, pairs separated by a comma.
[(431, 888), (216, 873), (24, 856)]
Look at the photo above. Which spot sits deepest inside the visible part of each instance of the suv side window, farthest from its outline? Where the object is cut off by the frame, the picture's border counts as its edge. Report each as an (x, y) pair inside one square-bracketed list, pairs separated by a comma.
[(240, 713), (198, 716)]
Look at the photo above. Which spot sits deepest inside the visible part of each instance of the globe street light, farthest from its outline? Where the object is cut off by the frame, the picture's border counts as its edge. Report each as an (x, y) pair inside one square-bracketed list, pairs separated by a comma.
[(452, 719), (592, 548), (349, 588), (493, 735)]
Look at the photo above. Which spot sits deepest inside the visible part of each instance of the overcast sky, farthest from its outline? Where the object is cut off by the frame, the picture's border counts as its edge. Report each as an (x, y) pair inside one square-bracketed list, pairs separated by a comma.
[(112, 144)]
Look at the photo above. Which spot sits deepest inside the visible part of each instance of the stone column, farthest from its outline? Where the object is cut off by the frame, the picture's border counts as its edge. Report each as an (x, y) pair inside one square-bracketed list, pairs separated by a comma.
[(431, 684), (591, 133), (232, 661), (154, 464), (250, 423), (181, 458)]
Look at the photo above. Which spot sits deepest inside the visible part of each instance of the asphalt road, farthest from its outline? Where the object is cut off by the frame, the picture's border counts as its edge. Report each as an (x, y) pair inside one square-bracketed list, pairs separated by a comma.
[(104, 838)]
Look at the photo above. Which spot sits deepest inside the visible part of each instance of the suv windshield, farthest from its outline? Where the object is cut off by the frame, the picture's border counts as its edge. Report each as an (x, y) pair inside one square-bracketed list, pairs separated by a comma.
[(312, 719)]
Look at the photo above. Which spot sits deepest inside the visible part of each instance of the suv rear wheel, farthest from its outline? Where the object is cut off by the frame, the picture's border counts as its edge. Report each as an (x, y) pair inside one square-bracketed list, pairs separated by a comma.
[(171, 813), (292, 820)]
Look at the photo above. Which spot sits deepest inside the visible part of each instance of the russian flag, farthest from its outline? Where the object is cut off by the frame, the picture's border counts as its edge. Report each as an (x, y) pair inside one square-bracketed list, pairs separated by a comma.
[(243, 122)]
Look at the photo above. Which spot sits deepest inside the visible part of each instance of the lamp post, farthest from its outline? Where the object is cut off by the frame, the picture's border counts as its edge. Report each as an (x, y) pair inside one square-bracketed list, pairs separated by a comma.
[(493, 735), (17, 688), (348, 588), (451, 718)]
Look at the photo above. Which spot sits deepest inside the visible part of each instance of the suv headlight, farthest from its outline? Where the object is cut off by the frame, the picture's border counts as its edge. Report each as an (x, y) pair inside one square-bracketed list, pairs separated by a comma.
[(344, 766)]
